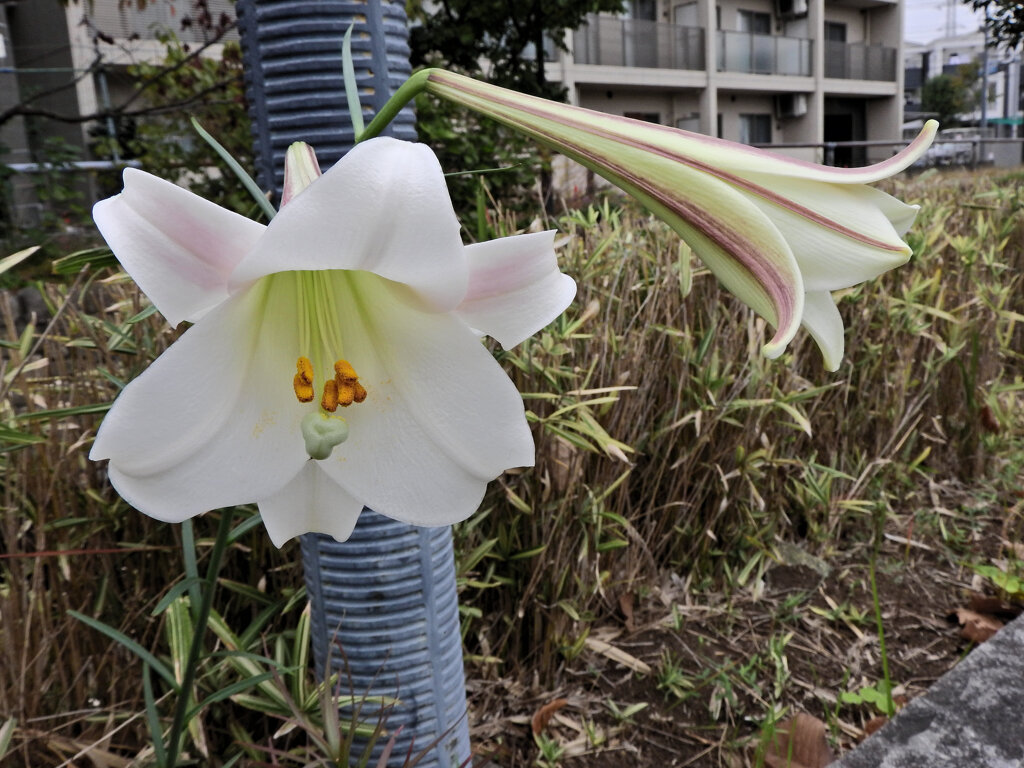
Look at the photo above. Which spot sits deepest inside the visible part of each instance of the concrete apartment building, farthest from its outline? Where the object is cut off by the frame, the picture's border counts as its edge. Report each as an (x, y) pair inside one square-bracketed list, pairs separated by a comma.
[(1000, 84), (755, 71), (758, 71), (50, 48)]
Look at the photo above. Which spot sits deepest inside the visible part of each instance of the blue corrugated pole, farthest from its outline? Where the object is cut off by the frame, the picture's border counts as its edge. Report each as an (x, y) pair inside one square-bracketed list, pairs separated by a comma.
[(384, 607)]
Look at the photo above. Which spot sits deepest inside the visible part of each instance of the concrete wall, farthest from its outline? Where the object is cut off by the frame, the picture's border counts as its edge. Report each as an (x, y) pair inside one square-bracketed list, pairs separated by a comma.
[(19, 201), (40, 38)]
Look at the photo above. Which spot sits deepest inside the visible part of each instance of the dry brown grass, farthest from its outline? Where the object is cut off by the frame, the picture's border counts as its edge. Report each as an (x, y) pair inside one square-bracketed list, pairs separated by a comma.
[(666, 444)]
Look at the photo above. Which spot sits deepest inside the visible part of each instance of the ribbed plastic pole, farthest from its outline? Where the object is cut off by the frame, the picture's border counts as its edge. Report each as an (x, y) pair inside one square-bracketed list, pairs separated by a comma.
[(384, 606)]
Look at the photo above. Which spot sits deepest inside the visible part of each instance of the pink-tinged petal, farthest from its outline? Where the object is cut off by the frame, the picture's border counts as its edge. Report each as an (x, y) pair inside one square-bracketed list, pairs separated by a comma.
[(739, 160), (440, 418), (213, 422), (737, 242), (850, 238), (825, 325), (311, 503), (300, 170), (179, 248), (384, 208), (515, 287), (670, 143)]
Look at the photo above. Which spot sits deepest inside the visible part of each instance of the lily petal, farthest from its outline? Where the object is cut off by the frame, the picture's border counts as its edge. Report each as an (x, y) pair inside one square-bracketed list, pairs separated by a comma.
[(770, 227), (310, 502), (177, 246), (854, 239), (381, 208), (441, 418), (737, 242), (825, 325), (515, 288), (241, 439)]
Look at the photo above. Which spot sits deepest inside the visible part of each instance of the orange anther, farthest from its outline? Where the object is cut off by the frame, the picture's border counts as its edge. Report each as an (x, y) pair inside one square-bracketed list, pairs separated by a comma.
[(344, 371), (304, 370), (329, 401), (303, 389)]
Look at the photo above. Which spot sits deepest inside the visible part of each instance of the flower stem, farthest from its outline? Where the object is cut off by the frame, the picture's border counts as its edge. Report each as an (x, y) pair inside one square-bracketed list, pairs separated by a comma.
[(406, 93), (195, 647)]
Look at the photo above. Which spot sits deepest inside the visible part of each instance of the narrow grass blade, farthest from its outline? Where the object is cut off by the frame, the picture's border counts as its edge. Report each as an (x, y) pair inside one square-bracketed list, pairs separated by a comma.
[(243, 528), (227, 692), (147, 312), (351, 90), (188, 554), (73, 263), (158, 666), (156, 731), (175, 592), (11, 439), (76, 410), (247, 181), (10, 262), (6, 735)]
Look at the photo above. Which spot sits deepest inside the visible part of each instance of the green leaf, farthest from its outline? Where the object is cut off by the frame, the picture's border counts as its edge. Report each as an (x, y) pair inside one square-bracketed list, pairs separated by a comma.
[(12, 439), (150, 310), (174, 593), (77, 410), (157, 666), (73, 263), (188, 555), (10, 262), (243, 528), (355, 109), (227, 692), (6, 734), (156, 731), (247, 181)]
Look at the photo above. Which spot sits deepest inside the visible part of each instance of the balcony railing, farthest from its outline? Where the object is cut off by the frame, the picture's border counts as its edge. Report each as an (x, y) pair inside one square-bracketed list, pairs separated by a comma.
[(856, 61), (638, 43), (763, 54), (123, 20)]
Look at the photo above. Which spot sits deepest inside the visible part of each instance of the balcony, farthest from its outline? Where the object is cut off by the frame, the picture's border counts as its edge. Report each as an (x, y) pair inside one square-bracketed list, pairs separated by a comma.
[(638, 43), (763, 54), (856, 61), (148, 20)]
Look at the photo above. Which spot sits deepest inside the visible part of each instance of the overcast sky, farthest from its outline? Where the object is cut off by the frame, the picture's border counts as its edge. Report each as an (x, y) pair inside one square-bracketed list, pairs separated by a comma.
[(926, 20)]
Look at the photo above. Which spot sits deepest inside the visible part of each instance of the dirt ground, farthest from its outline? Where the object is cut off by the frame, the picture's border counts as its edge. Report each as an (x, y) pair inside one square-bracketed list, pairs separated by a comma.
[(680, 678)]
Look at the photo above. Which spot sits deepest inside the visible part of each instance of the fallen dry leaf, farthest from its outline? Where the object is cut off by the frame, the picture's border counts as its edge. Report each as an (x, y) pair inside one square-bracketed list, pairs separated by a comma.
[(977, 627), (799, 742), (617, 655), (993, 606), (875, 723), (626, 606), (542, 716)]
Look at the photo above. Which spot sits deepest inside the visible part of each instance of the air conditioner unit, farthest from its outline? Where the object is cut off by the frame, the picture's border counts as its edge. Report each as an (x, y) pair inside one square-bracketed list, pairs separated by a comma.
[(790, 9), (791, 105)]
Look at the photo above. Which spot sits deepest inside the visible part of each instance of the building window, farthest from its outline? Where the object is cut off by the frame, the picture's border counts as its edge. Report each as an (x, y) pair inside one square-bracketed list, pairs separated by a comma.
[(754, 22), (647, 117), (756, 129), (690, 122), (643, 9), (835, 32), (686, 15)]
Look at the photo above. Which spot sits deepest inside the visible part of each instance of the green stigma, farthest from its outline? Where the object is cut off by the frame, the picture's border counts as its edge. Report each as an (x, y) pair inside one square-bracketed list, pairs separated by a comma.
[(321, 432)]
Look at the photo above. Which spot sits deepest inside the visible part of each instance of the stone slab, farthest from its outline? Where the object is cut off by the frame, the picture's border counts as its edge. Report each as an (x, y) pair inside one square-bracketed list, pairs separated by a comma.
[(972, 717)]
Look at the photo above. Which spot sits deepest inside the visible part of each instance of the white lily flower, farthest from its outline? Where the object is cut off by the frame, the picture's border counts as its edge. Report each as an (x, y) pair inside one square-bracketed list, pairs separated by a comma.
[(335, 359), (781, 234)]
